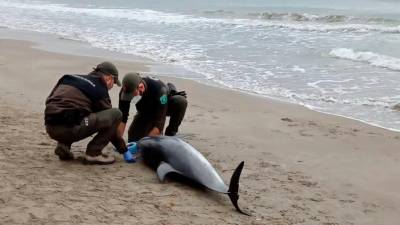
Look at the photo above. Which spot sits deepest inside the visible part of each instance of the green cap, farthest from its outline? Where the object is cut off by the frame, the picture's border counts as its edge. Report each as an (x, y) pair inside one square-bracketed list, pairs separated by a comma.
[(130, 83), (108, 68)]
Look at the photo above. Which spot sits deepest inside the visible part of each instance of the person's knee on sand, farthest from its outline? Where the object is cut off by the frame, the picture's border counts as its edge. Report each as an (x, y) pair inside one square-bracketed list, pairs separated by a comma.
[(108, 118), (106, 124)]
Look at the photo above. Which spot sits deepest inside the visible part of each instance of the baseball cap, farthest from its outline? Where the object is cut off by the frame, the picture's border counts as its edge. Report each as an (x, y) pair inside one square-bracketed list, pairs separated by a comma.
[(130, 83), (108, 68)]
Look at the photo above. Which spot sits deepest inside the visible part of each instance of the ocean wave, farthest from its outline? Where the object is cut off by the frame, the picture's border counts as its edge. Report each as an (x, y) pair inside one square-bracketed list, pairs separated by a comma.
[(332, 18), (371, 58), (316, 99), (219, 12), (302, 22), (303, 17)]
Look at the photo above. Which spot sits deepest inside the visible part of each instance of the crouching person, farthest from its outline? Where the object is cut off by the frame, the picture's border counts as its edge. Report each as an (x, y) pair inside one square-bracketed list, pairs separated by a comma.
[(80, 106), (158, 100)]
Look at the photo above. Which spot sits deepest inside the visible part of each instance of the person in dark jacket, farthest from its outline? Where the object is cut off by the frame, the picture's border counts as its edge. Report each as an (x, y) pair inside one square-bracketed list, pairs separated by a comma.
[(80, 106), (158, 100)]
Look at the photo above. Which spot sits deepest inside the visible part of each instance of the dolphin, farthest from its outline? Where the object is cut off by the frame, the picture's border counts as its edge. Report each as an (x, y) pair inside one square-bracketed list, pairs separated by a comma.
[(172, 155)]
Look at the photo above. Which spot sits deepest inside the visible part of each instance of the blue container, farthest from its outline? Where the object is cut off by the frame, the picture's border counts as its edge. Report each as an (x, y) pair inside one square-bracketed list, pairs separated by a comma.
[(132, 147)]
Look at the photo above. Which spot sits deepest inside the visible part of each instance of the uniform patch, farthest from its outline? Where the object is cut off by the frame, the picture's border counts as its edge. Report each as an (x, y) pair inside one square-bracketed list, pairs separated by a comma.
[(163, 99)]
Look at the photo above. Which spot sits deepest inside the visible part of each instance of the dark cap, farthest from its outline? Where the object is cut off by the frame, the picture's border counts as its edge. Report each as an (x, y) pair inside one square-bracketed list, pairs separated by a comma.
[(109, 69), (130, 83)]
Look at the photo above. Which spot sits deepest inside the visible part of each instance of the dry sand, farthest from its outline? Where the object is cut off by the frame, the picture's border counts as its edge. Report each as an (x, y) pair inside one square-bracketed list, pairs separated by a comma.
[(301, 167)]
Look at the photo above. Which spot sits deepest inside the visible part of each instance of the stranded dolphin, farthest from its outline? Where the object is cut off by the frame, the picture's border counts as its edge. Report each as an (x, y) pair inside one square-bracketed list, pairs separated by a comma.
[(173, 155)]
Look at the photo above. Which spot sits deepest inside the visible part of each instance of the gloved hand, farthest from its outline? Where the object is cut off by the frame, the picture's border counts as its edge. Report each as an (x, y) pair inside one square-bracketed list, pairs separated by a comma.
[(128, 157), (132, 147)]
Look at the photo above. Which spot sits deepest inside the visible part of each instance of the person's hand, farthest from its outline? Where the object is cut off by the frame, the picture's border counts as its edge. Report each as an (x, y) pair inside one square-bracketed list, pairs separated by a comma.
[(172, 89), (121, 150), (119, 144), (128, 157), (181, 93)]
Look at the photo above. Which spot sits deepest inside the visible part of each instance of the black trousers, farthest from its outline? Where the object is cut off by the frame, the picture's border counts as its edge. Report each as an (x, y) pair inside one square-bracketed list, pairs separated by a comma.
[(104, 123), (142, 124)]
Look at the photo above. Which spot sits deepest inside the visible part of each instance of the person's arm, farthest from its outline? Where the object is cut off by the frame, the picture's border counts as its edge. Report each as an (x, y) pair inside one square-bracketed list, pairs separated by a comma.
[(121, 129), (160, 113), (124, 106), (154, 132), (103, 104)]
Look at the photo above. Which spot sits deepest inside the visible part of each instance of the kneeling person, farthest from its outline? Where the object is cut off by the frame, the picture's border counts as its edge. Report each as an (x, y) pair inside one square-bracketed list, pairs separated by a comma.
[(158, 100), (79, 106)]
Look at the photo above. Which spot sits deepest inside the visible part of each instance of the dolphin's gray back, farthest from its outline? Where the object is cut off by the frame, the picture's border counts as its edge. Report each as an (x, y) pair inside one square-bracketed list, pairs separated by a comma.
[(183, 158)]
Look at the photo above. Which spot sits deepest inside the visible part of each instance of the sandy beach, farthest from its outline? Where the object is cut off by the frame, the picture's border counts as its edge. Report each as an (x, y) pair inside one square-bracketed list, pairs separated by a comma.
[(301, 166)]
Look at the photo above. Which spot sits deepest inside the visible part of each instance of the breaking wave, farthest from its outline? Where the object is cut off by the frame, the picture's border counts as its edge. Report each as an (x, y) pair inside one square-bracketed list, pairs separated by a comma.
[(304, 17), (371, 58)]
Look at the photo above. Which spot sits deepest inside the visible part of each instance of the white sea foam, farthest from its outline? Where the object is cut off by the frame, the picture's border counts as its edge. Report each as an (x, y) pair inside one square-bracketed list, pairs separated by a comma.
[(317, 85), (298, 69), (372, 58)]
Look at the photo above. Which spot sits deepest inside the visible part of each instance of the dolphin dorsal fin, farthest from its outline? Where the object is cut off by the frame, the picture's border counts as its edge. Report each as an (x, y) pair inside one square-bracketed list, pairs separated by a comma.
[(163, 169)]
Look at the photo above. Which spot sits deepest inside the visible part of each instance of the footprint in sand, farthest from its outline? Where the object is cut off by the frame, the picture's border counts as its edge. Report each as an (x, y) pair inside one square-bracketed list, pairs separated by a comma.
[(186, 136), (369, 207), (264, 164), (191, 120), (291, 123), (312, 123), (346, 201), (287, 119), (305, 134), (308, 183), (251, 147), (333, 131), (44, 144)]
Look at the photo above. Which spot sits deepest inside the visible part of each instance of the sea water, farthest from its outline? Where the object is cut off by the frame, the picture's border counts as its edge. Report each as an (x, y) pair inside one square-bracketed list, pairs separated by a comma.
[(341, 58)]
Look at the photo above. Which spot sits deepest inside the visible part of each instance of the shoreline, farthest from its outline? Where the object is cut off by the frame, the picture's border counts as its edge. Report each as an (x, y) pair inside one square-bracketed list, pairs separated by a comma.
[(302, 166), (154, 68)]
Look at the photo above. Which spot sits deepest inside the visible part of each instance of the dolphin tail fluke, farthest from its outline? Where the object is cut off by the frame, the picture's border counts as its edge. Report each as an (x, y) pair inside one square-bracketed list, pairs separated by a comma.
[(234, 187)]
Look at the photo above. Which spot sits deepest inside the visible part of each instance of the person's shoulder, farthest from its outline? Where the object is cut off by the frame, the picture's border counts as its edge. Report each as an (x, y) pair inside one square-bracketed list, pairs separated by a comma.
[(153, 79)]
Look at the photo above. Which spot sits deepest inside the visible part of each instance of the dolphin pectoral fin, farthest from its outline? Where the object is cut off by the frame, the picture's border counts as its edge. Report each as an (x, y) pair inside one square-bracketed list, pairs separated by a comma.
[(163, 169)]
